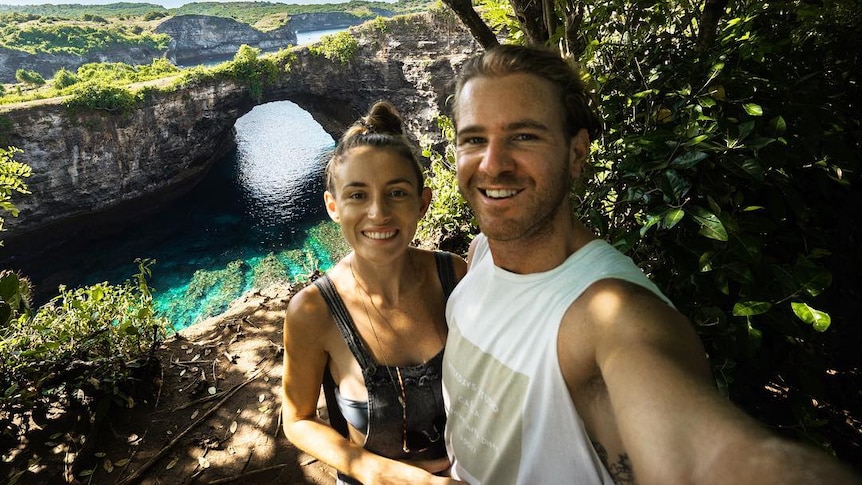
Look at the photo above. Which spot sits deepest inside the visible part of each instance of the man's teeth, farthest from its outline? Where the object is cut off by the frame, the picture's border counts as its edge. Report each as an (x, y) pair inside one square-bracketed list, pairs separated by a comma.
[(380, 235), (500, 194)]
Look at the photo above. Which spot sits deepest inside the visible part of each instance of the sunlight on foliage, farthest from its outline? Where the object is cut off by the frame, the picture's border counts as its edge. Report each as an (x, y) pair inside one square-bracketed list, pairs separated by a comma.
[(12, 175), (449, 219), (86, 340), (339, 47)]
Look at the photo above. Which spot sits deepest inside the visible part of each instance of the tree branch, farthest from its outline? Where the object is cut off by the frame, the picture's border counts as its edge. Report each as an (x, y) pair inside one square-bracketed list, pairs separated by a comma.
[(713, 10), (477, 27)]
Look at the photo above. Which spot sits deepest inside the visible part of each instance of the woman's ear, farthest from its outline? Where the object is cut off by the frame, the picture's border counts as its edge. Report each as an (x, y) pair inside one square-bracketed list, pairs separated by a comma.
[(331, 206), (426, 201)]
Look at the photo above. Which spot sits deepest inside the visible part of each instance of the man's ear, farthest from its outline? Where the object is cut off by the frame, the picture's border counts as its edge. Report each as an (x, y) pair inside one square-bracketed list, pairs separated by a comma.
[(579, 148), (426, 201), (331, 206)]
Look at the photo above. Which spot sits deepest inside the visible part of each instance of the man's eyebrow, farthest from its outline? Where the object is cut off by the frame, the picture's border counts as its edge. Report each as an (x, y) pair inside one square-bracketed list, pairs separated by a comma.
[(529, 124), (514, 126)]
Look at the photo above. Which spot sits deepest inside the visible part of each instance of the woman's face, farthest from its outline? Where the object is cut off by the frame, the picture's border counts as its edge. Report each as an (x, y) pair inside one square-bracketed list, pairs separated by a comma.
[(377, 201)]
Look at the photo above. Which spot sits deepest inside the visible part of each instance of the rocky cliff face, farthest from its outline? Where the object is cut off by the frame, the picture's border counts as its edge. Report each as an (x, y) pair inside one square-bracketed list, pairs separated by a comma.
[(196, 39), (98, 169), (48, 64), (308, 22), (200, 38), (95, 171)]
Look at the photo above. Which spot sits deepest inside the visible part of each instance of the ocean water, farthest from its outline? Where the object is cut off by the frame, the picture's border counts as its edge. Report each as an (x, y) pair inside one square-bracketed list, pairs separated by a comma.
[(256, 218)]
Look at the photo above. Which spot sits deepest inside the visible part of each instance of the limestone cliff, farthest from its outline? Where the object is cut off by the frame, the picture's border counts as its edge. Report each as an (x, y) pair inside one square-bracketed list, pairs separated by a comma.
[(201, 38), (48, 64), (101, 170), (307, 22), (195, 39)]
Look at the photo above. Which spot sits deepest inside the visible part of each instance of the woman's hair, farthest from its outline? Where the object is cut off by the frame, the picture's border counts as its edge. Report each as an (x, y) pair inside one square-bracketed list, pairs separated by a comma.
[(380, 128), (578, 107)]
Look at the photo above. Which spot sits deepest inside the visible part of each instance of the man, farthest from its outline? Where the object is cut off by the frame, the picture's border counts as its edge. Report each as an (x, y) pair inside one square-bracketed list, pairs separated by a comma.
[(564, 364)]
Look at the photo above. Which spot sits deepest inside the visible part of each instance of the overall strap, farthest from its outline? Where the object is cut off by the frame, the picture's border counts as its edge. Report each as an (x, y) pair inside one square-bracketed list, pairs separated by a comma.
[(446, 272), (344, 322)]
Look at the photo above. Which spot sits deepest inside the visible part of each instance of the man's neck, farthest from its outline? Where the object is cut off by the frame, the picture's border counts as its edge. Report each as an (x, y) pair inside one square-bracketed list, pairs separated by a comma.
[(541, 251)]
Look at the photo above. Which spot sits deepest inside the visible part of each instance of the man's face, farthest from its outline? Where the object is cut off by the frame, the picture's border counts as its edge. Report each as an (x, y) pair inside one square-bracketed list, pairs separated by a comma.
[(515, 162)]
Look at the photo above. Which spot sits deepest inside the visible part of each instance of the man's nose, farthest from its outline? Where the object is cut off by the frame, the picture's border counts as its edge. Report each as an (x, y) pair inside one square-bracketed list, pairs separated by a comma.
[(497, 158)]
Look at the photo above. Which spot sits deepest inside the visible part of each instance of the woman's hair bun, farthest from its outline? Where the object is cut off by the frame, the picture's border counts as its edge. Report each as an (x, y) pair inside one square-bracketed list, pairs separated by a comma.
[(382, 118)]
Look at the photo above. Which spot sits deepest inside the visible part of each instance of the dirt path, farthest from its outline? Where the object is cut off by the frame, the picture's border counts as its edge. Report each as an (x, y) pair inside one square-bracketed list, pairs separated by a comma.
[(217, 419)]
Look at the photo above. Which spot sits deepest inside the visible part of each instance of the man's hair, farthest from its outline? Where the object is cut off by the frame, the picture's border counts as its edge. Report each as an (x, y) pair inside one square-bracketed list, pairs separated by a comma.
[(578, 107), (380, 128)]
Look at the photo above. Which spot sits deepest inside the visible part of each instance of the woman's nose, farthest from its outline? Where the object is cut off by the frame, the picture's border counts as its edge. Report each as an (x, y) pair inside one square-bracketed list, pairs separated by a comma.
[(379, 208)]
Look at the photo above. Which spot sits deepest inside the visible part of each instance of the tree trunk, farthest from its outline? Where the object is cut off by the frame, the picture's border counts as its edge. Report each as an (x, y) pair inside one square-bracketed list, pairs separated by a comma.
[(713, 10), (478, 28), (532, 19), (575, 43)]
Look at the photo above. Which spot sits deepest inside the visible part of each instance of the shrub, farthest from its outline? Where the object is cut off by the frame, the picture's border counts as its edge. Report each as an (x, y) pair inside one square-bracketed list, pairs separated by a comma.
[(31, 78), (113, 99), (64, 79), (85, 343), (339, 47), (249, 68), (153, 15), (449, 222), (12, 175)]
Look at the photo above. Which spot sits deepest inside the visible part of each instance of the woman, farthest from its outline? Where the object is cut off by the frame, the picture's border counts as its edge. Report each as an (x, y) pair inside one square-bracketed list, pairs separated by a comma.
[(372, 329)]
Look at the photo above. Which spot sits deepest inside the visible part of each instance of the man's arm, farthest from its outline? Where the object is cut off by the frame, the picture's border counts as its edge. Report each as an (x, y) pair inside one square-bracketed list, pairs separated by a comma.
[(674, 425)]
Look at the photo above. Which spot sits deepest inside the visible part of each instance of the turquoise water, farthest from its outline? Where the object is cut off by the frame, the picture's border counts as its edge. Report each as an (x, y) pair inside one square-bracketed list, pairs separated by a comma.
[(256, 218)]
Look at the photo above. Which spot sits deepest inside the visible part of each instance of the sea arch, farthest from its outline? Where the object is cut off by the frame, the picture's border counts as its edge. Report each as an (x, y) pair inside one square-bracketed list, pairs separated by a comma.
[(95, 170)]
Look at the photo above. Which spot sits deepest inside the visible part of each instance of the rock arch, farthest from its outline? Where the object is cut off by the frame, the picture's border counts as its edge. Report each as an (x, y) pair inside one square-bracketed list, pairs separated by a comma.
[(100, 170)]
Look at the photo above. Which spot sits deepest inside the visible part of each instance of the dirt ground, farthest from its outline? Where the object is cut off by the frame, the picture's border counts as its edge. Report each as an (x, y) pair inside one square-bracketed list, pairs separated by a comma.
[(215, 420), (218, 415)]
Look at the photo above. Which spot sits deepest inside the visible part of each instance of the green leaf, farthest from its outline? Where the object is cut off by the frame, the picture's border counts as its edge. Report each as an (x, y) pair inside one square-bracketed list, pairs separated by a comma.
[(751, 308), (672, 217), (817, 319), (696, 140), (778, 125), (753, 168), (812, 278), (753, 109), (710, 225), (705, 261), (652, 220), (688, 159), (745, 129)]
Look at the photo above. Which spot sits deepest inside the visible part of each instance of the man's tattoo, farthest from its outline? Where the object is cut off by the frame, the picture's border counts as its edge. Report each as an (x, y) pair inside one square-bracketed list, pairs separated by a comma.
[(621, 471)]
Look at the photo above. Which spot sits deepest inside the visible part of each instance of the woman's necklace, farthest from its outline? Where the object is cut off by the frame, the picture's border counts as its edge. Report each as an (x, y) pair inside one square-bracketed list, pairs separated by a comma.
[(402, 399)]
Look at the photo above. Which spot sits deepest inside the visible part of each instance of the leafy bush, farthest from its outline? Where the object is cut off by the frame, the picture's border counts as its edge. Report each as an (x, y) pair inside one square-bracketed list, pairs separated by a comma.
[(87, 17), (31, 78), (12, 175), (248, 67), (63, 79), (76, 39), (339, 47), (720, 178), (153, 15), (720, 172), (449, 222), (83, 344), (113, 99)]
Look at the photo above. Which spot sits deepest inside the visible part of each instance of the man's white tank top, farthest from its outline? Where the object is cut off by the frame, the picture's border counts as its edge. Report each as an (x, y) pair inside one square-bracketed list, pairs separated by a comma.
[(510, 416)]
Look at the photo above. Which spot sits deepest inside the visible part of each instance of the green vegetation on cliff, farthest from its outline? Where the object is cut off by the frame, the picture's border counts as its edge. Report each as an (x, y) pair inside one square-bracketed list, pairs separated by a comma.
[(43, 37)]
